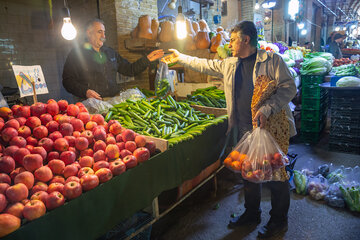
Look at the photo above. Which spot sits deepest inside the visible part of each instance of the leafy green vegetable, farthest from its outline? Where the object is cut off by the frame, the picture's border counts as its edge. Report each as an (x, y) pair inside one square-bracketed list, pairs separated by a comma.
[(326, 55), (345, 70), (315, 66), (348, 82)]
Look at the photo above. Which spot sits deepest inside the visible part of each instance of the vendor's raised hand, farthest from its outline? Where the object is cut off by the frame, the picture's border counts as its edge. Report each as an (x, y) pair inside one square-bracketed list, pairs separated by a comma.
[(92, 94), (172, 58), (154, 55), (260, 117)]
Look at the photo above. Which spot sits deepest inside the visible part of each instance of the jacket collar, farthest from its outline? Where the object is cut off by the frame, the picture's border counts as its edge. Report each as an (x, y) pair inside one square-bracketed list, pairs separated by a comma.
[(262, 55)]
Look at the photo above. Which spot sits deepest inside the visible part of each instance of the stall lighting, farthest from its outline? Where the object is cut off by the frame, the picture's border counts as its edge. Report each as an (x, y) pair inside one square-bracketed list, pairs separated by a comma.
[(257, 6), (337, 29), (68, 30), (180, 25), (303, 32), (301, 25), (353, 26), (293, 8), (354, 32), (269, 4), (344, 28)]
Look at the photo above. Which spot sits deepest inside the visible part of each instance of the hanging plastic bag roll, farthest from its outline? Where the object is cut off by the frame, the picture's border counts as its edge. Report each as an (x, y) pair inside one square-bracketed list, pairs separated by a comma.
[(162, 83)]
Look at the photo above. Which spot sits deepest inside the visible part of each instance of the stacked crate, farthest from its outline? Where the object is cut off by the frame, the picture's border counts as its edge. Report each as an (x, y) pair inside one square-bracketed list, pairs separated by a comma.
[(314, 106), (345, 121)]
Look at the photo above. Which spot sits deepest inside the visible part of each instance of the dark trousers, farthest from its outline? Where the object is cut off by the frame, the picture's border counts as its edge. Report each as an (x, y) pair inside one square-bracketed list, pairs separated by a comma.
[(280, 199)]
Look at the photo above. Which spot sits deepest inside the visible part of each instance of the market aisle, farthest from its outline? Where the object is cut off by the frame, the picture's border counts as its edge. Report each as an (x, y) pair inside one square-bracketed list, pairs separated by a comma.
[(198, 217)]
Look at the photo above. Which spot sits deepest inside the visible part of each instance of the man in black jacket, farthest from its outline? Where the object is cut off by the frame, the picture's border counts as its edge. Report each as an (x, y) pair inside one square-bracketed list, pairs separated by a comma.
[(90, 69)]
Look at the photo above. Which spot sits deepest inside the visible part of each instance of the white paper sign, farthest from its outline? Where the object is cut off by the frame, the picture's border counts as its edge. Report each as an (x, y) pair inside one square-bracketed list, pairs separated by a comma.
[(25, 75)]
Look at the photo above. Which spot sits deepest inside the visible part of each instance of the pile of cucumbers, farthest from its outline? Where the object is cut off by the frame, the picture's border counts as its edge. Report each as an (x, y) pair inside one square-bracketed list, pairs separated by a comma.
[(210, 97), (162, 118)]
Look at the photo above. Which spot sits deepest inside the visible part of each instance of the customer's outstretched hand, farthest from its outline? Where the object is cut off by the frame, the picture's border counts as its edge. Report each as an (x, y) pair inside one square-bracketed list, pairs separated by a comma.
[(172, 58)]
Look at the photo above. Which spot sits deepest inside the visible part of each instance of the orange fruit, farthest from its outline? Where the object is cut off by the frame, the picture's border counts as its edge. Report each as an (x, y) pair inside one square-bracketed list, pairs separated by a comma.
[(242, 156), (234, 155), (236, 165), (227, 162)]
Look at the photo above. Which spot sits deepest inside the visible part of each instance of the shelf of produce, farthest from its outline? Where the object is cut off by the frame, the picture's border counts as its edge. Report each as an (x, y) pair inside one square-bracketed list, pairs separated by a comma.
[(95, 212)]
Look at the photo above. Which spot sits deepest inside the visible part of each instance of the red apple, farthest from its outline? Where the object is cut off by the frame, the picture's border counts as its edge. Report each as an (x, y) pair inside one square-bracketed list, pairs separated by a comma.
[(14, 173), (41, 151), (13, 123), (89, 181), (10, 151), (46, 143), (81, 143), (130, 161), (104, 174), (52, 108), (8, 224), (128, 135), (24, 131), (101, 164), (151, 146), (142, 154), (8, 133), (21, 121), (54, 200), (87, 152), (55, 135), (124, 153), (52, 126), (140, 141), (72, 189), (117, 167), (63, 104), (61, 144), (45, 118), (90, 125), (84, 117), (112, 151), (73, 110), (32, 162), (115, 128), (77, 124), (7, 164), (15, 209), (110, 140), (33, 122), (40, 195), (88, 135), (71, 140), (40, 132), (86, 161), (3, 202), (99, 145), (57, 179), (57, 166), (17, 192), (70, 170), (59, 187), (72, 178), (26, 178), (53, 155), (85, 170), (99, 134), (39, 186), (66, 129), (121, 146), (130, 145), (68, 157), (31, 141), (99, 156), (20, 154), (43, 174), (5, 178), (34, 209), (98, 118), (23, 111), (37, 109)]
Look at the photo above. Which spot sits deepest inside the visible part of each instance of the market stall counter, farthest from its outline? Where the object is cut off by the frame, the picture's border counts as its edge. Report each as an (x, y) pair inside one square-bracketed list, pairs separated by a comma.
[(99, 210)]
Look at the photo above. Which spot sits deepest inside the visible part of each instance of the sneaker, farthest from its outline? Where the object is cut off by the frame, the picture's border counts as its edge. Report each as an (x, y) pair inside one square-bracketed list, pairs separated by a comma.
[(245, 219), (273, 228)]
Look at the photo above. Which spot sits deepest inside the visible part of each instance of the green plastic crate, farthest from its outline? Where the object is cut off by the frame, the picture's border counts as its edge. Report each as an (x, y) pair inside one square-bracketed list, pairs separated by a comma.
[(310, 137), (311, 80), (313, 115), (312, 126), (313, 92), (314, 103)]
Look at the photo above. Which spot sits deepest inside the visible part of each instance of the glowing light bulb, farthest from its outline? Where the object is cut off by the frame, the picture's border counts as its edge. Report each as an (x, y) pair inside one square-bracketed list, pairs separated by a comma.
[(353, 26), (68, 30), (257, 6), (303, 32), (180, 26), (301, 25), (337, 29), (344, 28)]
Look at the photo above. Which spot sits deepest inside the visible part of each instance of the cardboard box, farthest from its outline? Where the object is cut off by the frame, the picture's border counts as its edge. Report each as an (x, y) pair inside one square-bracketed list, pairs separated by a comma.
[(161, 144), (211, 110)]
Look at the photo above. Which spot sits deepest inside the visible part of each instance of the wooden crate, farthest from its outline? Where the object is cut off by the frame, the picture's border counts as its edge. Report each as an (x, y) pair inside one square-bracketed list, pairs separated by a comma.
[(211, 110), (183, 89), (161, 144)]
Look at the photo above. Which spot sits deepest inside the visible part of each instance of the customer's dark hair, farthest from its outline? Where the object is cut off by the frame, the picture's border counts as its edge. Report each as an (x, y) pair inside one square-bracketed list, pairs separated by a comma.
[(337, 36), (247, 28), (92, 21)]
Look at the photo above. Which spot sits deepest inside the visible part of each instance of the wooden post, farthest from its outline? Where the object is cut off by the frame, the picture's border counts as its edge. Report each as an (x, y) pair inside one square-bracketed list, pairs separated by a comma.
[(34, 91)]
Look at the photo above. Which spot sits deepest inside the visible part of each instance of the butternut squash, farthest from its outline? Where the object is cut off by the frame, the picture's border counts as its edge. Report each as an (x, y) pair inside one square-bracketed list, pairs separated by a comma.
[(202, 40), (154, 28), (204, 26), (195, 26), (145, 27), (189, 29), (216, 42), (167, 31)]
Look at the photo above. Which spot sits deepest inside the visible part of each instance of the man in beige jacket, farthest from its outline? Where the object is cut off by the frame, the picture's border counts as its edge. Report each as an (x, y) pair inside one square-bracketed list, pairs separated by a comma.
[(239, 73)]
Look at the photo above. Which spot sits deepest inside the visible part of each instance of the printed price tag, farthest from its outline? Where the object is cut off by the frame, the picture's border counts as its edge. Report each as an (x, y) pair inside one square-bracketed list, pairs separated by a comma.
[(25, 75)]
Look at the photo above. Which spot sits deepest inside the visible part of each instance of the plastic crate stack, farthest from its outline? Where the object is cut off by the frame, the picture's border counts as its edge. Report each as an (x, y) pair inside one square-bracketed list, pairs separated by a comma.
[(314, 106), (345, 121)]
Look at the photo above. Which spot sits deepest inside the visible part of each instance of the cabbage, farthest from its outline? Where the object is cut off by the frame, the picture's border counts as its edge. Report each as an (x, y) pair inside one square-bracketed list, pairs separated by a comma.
[(294, 54), (315, 66), (348, 82), (326, 55)]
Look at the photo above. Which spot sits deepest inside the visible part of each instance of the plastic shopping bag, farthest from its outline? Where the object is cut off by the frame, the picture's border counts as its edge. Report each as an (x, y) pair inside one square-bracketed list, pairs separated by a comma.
[(317, 187), (162, 80), (257, 155)]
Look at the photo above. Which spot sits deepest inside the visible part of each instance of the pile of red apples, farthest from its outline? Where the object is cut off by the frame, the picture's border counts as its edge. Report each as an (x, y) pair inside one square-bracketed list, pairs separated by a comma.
[(53, 152)]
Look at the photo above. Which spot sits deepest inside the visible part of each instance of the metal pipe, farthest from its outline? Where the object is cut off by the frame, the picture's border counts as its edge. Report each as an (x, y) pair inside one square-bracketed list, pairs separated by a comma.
[(327, 8)]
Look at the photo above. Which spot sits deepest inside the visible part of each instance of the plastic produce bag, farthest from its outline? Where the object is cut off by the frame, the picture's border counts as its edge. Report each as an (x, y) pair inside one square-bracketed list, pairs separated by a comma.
[(257, 155), (95, 106), (132, 93), (317, 187), (334, 196), (162, 81), (300, 181)]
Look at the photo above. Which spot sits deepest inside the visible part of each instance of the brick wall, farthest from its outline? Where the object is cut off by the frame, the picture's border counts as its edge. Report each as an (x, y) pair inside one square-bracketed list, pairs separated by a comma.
[(247, 10), (232, 14)]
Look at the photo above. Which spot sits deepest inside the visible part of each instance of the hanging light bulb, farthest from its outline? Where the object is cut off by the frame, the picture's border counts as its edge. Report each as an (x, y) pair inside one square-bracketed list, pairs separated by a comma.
[(337, 28), (180, 26), (303, 32), (301, 25), (344, 28), (353, 26), (257, 5), (68, 30)]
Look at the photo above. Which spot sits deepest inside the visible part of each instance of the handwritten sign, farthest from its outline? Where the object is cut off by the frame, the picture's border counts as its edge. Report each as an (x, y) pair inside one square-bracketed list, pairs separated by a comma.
[(25, 75)]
